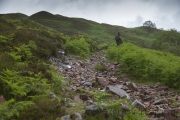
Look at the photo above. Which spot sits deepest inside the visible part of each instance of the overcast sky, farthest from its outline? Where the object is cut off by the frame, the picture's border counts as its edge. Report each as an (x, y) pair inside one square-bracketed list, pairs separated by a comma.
[(128, 13)]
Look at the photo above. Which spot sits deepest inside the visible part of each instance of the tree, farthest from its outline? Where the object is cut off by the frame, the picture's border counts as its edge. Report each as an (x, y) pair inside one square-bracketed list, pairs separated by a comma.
[(149, 24)]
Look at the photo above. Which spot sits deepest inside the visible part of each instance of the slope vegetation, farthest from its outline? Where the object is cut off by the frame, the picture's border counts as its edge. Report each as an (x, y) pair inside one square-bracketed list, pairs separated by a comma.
[(100, 32)]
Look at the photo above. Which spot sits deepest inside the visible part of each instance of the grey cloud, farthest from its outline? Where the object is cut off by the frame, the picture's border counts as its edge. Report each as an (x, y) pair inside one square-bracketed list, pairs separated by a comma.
[(134, 23), (139, 20), (176, 20)]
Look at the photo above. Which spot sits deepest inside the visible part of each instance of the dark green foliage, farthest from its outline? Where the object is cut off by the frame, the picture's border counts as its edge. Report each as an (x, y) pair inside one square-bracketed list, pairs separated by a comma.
[(44, 108), (168, 41), (43, 15), (12, 109), (6, 28), (78, 46), (26, 46), (149, 24), (14, 16), (6, 60), (103, 46), (100, 67), (146, 64)]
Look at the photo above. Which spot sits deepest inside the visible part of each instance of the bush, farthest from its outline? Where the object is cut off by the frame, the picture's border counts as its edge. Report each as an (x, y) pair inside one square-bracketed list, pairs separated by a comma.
[(78, 47), (148, 64), (100, 67), (103, 46)]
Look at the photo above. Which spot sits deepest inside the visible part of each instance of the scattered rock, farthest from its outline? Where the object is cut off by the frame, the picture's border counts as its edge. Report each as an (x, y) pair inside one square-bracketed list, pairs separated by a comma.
[(161, 101), (102, 81), (132, 86), (92, 110), (139, 105), (147, 104), (78, 99), (87, 84), (118, 91), (75, 116), (171, 118), (113, 80), (52, 95), (84, 97), (154, 98)]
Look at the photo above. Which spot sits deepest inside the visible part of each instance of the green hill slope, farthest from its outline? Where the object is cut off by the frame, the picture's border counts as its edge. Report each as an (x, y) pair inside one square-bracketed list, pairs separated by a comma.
[(27, 43), (100, 32), (142, 36)]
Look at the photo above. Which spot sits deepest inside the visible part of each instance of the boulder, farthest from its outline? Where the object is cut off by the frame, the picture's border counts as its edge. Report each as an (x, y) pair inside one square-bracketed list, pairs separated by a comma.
[(132, 86), (102, 81), (139, 105), (87, 84), (118, 91), (92, 110), (113, 80)]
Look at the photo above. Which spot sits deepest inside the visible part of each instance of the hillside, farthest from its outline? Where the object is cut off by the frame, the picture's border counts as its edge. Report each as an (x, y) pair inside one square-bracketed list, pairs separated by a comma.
[(142, 36), (52, 66), (164, 40), (100, 32)]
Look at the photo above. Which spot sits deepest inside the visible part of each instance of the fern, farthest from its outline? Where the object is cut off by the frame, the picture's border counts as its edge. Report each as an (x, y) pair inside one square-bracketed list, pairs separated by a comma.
[(11, 108), (4, 39)]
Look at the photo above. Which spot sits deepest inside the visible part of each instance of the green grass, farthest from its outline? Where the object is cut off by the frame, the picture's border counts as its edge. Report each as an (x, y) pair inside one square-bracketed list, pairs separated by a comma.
[(147, 64), (100, 32)]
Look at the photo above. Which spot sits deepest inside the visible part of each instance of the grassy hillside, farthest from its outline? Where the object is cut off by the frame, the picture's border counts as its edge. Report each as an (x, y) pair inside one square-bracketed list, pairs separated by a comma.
[(100, 32), (142, 36), (27, 43), (25, 77)]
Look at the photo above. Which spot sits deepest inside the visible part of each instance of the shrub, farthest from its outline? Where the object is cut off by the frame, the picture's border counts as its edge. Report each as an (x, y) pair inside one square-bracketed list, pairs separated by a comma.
[(148, 64), (78, 47), (11, 109), (100, 67), (103, 46)]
